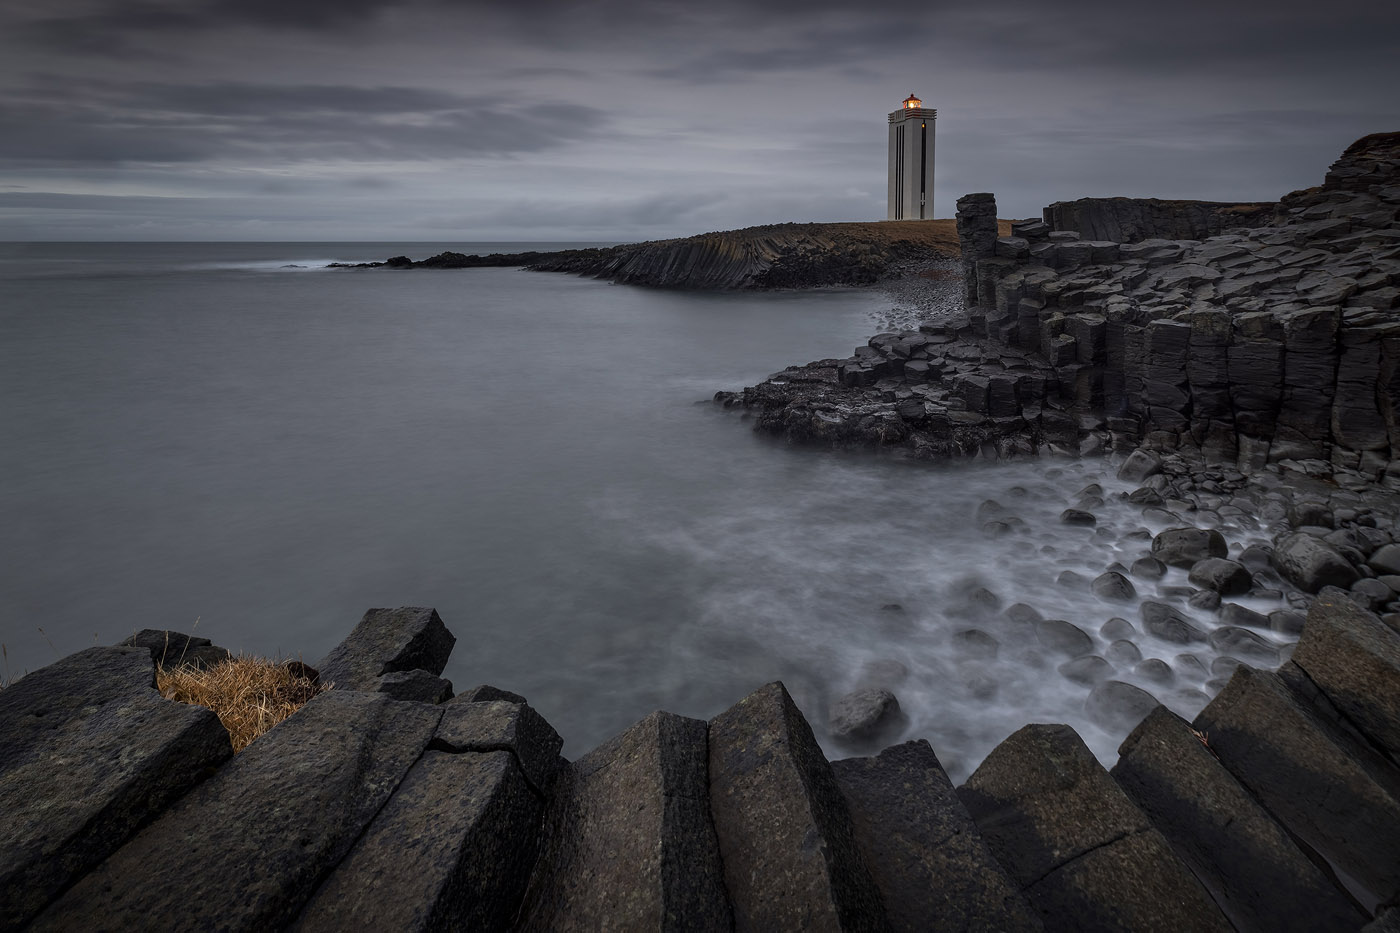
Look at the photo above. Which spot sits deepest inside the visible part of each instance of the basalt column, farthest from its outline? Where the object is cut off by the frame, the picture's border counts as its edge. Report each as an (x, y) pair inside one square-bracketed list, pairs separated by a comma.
[(977, 234)]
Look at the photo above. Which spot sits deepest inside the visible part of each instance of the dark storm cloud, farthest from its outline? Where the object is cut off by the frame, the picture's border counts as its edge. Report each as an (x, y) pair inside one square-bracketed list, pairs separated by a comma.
[(61, 120)]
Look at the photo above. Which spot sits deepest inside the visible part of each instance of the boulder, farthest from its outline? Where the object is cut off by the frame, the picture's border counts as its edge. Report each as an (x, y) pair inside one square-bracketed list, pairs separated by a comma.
[(630, 843), (1148, 568), (1114, 705), (318, 777), (452, 849), (1139, 466), (1386, 559), (91, 752), (500, 725), (1085, 857), (1184, 547), (864, 714), (1077, 517), (790, 855), (1221, 576), (1168, 624), (933, 868), (388, 640), (1114, 587), (1064, 638), (1249, 863), (1310, 563), (1087, 670)]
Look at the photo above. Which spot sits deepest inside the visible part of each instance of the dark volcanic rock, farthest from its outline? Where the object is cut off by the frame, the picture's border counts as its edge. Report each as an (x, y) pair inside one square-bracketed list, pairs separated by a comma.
[(1184, 547), (1063, 637), (1221, 576), (790, 856), (318, 777), (1354, 658), (1168, 624), (1331, 793), (1310, 563), (388, 640), (1085, 856), (415, 685), (864, 714), (90, 752), (1249, 863), (452, 849), (630, 845), (1114, 586), (1115, 705), (934, 870), (499, 725), (170, 649)]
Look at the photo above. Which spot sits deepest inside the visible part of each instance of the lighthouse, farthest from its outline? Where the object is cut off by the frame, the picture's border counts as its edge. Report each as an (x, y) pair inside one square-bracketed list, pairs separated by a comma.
[(911, 161)]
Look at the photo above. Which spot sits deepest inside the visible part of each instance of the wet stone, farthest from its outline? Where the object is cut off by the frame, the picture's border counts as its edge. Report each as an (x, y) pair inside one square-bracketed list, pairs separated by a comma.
[(1077, 517), (1123, 653), (1061, 637), (1148, 568), (1115, 705), (1183, 547), (1115, 629), (1088, 670), (1168, 624), (1156, 671), (973, 643), (1242, 616), (864, 714), (1222, 576), (1114, 587)]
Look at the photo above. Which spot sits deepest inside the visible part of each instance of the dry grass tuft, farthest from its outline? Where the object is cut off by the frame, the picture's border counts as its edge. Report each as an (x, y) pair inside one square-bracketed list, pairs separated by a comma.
[(249, 695)]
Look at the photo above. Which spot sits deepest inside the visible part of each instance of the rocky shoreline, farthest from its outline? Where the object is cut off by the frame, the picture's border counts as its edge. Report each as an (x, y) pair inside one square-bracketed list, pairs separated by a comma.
[(387, 802), (772, 256)]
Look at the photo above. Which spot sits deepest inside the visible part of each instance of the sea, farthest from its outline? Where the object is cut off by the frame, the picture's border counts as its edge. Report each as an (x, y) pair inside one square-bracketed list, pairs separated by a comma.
[(233, 440)]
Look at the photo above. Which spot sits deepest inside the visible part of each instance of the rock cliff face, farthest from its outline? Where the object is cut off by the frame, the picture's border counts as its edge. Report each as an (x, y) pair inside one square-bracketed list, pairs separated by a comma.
[(1261, 345), (773, 256), (1131, 220)]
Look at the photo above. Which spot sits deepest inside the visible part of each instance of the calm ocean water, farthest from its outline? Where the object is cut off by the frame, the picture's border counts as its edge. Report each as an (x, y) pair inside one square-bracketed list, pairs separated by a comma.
[(230, 437)]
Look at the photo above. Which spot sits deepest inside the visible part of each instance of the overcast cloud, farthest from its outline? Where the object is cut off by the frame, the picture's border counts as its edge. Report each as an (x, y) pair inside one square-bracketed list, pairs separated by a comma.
[(613, 120)]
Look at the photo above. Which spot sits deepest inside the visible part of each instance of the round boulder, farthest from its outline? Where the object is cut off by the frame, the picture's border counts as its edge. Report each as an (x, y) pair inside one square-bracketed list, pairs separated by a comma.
[(864, 714), (1310, 563), (1221, 576), (1087, 670), (1113, 586), (1062, 637), (1148, 568), (1184, 547), (1117, 706), (1078, 517)]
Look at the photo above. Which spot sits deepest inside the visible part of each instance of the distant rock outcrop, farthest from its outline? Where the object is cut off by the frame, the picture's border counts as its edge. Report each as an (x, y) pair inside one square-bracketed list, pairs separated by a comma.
[(773, 256)]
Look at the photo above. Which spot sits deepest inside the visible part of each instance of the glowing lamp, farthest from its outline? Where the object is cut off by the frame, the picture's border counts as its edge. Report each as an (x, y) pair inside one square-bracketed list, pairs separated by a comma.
[(912, 102)]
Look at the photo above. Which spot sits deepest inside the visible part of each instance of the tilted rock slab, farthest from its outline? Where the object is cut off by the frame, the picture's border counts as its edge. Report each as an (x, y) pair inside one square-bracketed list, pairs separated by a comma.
[(1248, 862), (933, 868), (1354, 658), (1337, 796), (451, 850), (790, 857), (246, 849), (629, 844), (1084, 855), (90, 753), (388, 641)]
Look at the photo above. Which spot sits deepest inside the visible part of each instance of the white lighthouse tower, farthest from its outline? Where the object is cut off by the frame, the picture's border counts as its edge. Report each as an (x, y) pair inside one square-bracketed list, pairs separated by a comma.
[(911, 161)]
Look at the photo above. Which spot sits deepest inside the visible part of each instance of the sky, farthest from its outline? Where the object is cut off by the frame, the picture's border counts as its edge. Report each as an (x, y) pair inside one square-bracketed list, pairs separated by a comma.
[(618, 120)]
